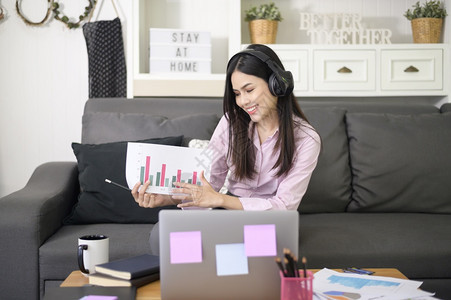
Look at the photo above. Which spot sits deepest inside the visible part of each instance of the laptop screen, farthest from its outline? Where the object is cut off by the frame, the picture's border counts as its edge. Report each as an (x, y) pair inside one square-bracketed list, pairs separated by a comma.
[(222, 254)]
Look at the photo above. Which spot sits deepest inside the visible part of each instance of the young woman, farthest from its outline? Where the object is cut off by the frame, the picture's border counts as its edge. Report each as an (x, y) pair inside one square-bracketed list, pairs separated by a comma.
[(263, 139)]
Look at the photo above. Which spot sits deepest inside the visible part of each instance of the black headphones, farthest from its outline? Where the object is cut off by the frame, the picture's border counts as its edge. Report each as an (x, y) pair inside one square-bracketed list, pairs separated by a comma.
[(280, 82)]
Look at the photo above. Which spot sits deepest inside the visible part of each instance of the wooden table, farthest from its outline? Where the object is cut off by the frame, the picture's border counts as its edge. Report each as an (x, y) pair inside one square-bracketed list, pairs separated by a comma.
[(151, 291)]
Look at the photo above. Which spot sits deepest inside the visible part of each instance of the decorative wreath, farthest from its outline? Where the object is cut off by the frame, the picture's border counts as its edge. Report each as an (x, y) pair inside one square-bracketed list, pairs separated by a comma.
[(55, 7), (65, 19), (28, 22)]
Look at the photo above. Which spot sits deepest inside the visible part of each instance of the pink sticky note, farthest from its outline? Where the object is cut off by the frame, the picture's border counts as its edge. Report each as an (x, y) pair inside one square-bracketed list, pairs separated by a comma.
[(185, 247), (260, 240)]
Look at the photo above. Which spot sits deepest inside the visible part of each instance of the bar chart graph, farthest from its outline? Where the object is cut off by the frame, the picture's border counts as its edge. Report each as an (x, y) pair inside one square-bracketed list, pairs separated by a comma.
[(164, 165), (160, 178)]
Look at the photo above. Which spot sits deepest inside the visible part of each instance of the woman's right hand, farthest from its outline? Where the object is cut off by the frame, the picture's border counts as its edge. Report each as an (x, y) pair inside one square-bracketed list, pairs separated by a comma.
[(148, 200)]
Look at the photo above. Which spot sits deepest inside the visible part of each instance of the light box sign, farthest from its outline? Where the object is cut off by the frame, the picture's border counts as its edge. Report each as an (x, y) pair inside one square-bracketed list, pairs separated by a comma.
[(179, 51)]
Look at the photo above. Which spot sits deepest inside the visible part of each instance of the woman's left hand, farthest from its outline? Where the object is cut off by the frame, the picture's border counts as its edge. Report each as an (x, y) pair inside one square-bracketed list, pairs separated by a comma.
[(195, 195)]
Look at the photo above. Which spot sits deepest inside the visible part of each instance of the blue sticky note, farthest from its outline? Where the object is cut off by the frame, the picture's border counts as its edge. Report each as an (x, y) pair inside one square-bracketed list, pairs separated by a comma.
[(260, 240), (185, 247), (231, 260)]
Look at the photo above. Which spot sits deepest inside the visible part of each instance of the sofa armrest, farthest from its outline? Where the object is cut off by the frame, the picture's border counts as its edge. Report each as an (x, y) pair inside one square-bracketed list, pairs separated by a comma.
[(27, 218)]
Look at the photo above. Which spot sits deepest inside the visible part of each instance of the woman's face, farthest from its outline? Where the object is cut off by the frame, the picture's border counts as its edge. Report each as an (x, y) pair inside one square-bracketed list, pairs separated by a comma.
[(253, 96)]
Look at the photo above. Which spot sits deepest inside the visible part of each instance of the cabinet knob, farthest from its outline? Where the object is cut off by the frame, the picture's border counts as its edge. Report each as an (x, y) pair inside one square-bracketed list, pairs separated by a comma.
[(344, 70), (411, 69)]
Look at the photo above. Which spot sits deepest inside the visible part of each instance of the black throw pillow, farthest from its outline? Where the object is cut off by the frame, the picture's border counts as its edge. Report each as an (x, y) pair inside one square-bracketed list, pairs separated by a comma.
[(100, 202)]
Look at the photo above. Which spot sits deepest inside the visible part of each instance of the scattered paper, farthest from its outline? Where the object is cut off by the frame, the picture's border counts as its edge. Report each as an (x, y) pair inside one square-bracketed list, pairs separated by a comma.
[(335, 285)]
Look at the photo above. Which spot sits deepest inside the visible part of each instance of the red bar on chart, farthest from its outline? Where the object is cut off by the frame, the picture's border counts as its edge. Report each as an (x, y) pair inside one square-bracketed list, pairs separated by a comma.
[(194, 177), (163, 171), (179, 175), (146, 177)]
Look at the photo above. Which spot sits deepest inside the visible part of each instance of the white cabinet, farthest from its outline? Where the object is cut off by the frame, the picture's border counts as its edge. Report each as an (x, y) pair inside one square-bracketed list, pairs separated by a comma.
[(367, 70), (344, 70), (420, 69)]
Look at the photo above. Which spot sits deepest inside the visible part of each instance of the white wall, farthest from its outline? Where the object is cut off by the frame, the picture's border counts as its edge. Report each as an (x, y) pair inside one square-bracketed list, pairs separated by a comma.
[(43, 88), (44, 78)]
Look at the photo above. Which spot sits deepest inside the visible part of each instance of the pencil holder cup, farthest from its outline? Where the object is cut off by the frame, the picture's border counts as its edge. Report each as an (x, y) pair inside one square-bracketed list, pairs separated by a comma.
[(296, 288)]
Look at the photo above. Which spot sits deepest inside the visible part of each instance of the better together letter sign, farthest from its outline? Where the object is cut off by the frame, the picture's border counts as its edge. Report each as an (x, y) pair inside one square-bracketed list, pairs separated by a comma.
[(341, 29)]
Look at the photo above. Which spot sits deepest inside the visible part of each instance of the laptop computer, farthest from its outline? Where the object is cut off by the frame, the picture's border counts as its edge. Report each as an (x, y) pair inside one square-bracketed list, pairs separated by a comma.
[(222, 254)]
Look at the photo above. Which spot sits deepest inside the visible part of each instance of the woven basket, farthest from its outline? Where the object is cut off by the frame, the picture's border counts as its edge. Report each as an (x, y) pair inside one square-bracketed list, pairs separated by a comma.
[(263, 31), (426, 30)]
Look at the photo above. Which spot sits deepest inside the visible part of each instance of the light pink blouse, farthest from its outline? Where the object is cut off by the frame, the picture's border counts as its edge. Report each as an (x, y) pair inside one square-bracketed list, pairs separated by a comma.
[(267, 191)]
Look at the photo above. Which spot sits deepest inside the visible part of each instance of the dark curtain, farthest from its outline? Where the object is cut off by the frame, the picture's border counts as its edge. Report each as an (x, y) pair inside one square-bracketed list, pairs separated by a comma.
[(107, 71)]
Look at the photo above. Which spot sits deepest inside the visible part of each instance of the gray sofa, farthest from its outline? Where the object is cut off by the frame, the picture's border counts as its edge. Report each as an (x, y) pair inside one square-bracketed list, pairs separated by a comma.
[(379, 197)]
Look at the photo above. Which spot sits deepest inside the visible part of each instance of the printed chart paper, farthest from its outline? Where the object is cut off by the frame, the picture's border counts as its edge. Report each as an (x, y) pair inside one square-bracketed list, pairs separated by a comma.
[(163, 165), (335, 285)]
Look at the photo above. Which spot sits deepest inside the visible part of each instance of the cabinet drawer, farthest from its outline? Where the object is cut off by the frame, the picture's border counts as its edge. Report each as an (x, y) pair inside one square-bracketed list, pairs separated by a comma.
[(412, 69), (295, 61), (344, 70)]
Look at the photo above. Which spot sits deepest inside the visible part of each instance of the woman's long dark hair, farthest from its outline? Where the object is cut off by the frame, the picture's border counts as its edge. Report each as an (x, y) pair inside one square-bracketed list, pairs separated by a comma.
[(241, 149)]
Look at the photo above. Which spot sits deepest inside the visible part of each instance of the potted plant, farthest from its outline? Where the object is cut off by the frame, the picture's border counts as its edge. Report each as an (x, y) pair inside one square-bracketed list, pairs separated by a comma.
[(263, 22), (427, 21)]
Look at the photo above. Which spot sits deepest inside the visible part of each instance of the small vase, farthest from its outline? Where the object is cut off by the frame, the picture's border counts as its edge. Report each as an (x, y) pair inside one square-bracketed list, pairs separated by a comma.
[(263, 31), (426, 30)]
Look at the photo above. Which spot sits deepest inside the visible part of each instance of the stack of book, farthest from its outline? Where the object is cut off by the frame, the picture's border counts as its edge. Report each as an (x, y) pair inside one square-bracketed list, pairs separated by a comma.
[(134, 271), (179, 51)]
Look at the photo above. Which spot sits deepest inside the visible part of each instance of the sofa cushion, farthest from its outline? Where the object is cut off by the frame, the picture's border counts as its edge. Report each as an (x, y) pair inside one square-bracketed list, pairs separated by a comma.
[(330, 186), (414, 243), (445, 107), (100, 202), (107, 127), (400, 163)]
